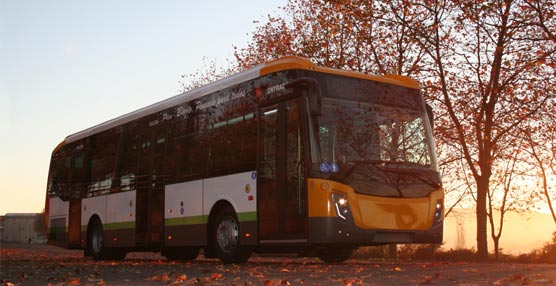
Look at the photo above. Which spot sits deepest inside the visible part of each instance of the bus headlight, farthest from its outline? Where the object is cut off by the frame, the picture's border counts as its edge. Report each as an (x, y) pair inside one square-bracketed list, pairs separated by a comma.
[(341, 204)]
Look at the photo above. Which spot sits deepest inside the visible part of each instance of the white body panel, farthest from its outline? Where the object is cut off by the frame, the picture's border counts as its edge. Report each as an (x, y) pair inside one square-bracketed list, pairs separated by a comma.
[(93, 206), (184, 200), (58, 208), (120, 207), (198, 197), (232, 188)]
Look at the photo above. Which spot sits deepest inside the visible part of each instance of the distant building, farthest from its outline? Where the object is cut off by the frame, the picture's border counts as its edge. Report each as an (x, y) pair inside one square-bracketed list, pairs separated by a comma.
[(20, 228)]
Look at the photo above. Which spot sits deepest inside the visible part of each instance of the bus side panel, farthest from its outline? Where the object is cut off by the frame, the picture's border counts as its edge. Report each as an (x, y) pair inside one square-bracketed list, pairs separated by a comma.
[(95, 206), (183, 216), (58, 222), (119, 230), (240, 190)]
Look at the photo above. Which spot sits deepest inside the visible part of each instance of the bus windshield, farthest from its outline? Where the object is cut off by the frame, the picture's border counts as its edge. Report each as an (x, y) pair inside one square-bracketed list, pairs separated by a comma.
[(378, 149)]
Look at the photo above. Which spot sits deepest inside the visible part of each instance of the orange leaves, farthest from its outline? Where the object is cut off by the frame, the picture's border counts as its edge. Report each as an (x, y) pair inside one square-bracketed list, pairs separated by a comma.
[(216, 276), (282, 282), (60, 270), (429, 279), (352, 282)]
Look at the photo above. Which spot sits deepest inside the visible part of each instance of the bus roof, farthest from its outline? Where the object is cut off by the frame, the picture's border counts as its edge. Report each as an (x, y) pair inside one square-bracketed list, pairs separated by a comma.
[(286, 63)]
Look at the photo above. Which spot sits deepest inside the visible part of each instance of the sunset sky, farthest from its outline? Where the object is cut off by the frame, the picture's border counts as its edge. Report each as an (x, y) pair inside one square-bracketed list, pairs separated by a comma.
[(68, 65)]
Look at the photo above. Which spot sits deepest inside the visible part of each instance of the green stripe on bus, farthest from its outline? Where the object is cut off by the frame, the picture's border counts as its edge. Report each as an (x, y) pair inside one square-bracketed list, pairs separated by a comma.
[(58, 229), (120, 225), (114, 226), (247, 216), (189, 220)]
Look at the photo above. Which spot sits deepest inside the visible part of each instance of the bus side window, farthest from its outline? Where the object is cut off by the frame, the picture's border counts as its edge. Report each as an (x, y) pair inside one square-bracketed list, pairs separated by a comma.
[(57, 174), (244, 143), (78, 176), (128, 167), (103, 158)]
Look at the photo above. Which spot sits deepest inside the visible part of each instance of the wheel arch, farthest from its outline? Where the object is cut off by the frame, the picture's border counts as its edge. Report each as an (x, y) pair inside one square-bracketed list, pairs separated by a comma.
[(219, 205), (90, 221)]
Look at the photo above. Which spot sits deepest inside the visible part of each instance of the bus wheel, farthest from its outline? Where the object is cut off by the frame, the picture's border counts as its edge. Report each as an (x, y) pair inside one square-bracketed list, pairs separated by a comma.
[(181, 253), (335, 254), (225, 240), (95, 244)]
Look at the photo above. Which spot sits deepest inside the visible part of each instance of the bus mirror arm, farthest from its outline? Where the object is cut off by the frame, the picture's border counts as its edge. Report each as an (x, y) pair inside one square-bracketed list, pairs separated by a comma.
[(312, 88), (431, 115)]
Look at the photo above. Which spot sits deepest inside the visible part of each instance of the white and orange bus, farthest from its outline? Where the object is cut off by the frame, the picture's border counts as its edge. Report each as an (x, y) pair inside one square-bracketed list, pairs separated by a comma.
[(287, 156)]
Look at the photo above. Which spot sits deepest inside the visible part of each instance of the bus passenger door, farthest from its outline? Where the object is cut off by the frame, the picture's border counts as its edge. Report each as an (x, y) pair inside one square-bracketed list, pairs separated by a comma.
[(282, 195), (150, 188)]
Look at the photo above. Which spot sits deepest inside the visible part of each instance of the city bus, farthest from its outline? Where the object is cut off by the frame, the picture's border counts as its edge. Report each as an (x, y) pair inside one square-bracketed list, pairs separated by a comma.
[(287, 156)]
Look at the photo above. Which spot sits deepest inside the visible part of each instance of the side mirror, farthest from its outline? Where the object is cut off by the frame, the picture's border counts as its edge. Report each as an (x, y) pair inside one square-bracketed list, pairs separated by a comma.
[(430, 114), (312, 88)]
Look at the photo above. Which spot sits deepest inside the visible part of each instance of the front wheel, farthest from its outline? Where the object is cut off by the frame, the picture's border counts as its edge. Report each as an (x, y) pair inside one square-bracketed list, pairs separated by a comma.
[(225, 240)]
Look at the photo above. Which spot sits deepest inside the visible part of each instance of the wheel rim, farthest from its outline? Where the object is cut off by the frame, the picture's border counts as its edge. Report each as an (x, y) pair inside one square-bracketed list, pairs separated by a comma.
[(227, 234), (97, 240)]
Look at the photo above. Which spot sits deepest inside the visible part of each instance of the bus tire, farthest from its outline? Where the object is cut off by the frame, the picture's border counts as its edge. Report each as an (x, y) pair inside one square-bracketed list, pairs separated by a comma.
[(95, 244), (335, 254), (225, 238), (181, 253)]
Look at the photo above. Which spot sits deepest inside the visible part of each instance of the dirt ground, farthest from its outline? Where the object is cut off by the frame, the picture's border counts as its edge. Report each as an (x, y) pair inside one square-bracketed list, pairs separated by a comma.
[(49, 265)]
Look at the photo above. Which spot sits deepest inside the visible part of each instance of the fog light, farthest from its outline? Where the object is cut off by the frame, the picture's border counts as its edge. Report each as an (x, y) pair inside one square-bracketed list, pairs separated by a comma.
[(438, 212)]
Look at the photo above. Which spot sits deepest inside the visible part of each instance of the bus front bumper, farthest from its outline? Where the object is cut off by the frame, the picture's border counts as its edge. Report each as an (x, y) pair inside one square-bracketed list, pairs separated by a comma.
[(332, 230)]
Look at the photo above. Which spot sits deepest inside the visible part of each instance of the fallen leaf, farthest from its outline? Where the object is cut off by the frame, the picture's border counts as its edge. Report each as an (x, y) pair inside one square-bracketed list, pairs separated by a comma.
[(74, 281), (182, 277), (425, 279), (256, 275), (542, 281), (268, 283), (216, 276)]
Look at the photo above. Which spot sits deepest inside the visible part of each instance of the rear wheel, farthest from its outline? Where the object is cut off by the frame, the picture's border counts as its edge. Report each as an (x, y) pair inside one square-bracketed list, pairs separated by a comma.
[(225, 238)]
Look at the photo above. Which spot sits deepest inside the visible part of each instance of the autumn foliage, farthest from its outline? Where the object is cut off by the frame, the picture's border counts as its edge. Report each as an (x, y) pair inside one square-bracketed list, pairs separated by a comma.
[(487, 67)]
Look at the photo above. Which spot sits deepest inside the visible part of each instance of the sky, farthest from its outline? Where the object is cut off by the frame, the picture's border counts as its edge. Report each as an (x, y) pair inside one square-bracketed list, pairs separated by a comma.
[(68, 65)]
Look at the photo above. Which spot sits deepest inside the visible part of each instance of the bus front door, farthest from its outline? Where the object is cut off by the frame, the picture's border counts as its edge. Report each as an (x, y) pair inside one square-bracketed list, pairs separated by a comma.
[(282, 195)]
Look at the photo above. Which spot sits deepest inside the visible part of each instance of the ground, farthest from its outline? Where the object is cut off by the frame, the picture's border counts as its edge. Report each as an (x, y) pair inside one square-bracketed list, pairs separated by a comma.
[(49, 265)]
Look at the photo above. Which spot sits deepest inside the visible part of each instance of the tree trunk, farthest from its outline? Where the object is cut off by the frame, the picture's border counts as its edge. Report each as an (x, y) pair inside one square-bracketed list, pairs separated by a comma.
[(482, 244), (496, 247)]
